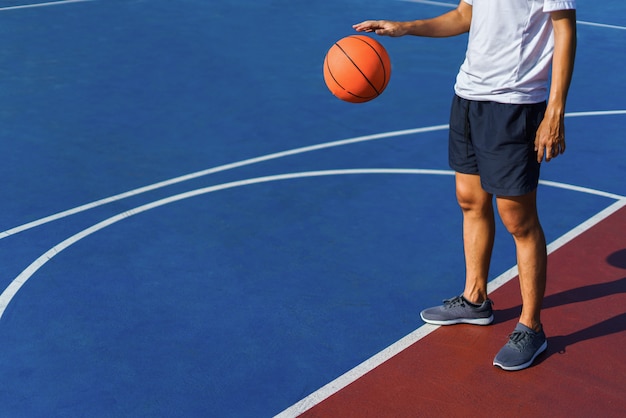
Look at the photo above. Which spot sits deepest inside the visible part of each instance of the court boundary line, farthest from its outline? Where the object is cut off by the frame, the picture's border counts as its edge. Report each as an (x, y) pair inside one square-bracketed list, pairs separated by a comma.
[(396, 348), (250, 161), (343, 380), (213, 170), (339, 383), (16, 284), (405, 342), (46, 4)]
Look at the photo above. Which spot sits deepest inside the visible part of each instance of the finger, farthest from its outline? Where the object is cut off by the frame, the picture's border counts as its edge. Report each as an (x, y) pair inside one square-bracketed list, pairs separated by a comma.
[(366, 26), (539, 153)]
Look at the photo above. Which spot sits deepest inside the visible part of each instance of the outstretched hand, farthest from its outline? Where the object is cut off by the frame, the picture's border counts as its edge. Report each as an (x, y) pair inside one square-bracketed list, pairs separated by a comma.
[(381, 27)]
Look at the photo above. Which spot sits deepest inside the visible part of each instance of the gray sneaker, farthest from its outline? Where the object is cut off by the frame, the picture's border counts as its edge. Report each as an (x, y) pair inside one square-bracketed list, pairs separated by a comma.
[(458, 311), (523, 347)]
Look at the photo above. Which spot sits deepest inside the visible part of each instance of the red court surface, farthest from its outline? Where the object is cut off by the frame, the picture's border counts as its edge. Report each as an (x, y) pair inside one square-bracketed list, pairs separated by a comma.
[(582, 373)]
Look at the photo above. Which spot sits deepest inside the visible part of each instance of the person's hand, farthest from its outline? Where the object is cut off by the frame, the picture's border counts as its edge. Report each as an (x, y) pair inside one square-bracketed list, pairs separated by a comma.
[(381, 27), (550, 137)]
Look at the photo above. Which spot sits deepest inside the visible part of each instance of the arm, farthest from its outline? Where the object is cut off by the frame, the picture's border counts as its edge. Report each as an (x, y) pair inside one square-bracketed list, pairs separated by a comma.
[(452, 23), (550, 139)]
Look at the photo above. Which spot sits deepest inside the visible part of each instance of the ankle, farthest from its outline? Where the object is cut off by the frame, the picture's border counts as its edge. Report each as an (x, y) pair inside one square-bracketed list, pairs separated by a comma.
[(535, 325), (476, 298)]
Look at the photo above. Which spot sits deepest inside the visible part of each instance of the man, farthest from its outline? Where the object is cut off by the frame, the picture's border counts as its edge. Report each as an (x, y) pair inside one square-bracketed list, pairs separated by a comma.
[(501, 128)]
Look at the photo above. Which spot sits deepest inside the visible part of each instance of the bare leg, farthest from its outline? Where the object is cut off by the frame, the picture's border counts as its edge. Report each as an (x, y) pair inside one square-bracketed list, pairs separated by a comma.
[(478, 234), (519, 215)]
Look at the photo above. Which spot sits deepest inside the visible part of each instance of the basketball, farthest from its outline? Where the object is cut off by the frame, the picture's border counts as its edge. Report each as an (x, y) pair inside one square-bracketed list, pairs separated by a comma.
[(357, 69)]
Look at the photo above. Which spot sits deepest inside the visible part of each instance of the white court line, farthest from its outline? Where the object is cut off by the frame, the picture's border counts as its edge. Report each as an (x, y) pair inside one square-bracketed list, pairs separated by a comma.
[(16, 284), (213, 170), (600, 25), (51, 3), (453, 5), (434, 3), (197, 174), (11, 290)]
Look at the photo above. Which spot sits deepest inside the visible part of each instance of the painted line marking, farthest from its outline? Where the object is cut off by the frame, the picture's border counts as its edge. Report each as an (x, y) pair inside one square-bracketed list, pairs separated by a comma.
[(9, 293), (433, 3), (452, 6), (600, 25), (33, 5), (197, 174), (295, 151)]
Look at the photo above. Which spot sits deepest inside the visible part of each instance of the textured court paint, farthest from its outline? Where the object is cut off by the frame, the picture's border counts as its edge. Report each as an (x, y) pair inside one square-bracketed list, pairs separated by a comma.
[(27, 358), (9, 293), (391, 351), (461, 374), (268, 157), (52, 3), (214, 170)]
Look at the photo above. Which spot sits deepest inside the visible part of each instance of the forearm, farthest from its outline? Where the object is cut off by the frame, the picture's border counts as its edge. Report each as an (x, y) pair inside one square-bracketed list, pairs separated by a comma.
[(550, 138), (453, 23), (564, 23)]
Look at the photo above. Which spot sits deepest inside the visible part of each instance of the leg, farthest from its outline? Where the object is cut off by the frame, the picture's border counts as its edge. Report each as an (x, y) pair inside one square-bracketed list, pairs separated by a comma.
[(478, 234), (519, 215)]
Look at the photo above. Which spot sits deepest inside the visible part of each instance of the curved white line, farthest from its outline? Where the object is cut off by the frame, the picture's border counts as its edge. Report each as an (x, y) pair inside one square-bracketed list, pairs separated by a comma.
[(10, 292), (581, 189), (17, 283), (600, 25), (596, 113), (214, 170), (295, 151), (433, 3), (51, 3)]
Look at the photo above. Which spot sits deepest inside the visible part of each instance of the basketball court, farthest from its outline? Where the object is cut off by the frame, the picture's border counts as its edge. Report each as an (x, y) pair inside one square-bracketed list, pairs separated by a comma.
[(193, 225)]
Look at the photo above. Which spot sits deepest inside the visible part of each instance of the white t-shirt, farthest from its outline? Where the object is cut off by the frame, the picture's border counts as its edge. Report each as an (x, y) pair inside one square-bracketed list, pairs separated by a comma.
[(509, 52)]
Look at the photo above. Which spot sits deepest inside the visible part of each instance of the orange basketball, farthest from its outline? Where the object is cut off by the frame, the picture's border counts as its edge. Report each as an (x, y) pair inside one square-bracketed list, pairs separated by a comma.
[(357, 69)]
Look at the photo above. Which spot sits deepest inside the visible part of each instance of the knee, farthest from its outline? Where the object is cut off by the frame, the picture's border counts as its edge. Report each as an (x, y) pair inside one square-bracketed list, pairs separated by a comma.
[(520, 224), (472, 201), (518, 227)]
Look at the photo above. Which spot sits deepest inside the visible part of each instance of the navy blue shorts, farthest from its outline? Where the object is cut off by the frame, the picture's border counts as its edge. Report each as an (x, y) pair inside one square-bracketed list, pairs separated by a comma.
[(497, 142)]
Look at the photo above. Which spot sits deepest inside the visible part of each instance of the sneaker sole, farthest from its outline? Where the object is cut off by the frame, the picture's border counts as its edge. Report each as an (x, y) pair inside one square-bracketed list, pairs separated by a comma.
[(525, 365), (472, 321)]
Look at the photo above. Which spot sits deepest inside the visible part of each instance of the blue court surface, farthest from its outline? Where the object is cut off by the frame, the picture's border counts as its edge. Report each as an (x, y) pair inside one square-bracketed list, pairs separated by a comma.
[(192, 225)]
